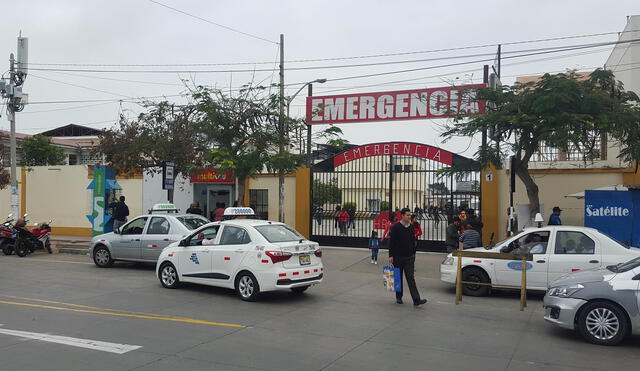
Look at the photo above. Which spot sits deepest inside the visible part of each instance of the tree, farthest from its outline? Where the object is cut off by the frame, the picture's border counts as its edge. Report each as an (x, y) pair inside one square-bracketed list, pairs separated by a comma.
[(37, 150), (557, 111), (164, 133), (326, 193), (439, 189)]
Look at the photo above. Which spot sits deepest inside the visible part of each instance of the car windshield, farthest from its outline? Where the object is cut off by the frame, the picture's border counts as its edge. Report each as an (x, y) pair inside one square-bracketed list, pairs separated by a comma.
[(278, 233), (192, 222), (623, 267)]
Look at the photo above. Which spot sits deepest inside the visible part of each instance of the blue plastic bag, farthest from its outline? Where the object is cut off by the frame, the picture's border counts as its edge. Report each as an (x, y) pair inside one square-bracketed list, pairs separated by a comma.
[(391, 279)]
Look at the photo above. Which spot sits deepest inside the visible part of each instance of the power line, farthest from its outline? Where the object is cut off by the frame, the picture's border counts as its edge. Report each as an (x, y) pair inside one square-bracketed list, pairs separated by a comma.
[(337, 58), (526, 53), (212, 22), (121, 80), (68, 108), (79, 86)]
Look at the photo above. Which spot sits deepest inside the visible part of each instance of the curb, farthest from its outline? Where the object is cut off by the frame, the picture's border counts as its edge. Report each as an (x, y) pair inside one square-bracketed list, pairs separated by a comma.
[(73, 250)]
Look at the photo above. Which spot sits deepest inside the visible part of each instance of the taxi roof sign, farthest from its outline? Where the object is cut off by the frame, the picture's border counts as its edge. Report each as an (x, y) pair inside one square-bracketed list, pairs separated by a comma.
[(239, 211), (163, 208)]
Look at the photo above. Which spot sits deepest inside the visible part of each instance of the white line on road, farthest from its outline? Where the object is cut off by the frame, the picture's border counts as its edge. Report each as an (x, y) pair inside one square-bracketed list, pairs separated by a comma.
[(74, 342)]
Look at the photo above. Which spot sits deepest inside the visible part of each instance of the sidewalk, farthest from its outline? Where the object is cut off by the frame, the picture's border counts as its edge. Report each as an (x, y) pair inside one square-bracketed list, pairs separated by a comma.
[(70, 244)]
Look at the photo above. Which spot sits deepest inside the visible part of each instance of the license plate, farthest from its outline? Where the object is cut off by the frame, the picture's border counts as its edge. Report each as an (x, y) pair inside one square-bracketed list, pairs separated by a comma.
[(305, 259)]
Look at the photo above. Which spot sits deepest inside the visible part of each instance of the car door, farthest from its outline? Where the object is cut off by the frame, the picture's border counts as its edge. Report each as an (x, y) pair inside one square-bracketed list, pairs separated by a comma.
[(157, 236), (509, 272), (195, 259), (231, 250), (126, 245), (573, 251)]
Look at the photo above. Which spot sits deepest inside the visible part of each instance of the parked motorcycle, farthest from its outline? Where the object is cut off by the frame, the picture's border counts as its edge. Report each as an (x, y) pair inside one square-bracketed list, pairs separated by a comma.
[(27, 241), (7, 236)]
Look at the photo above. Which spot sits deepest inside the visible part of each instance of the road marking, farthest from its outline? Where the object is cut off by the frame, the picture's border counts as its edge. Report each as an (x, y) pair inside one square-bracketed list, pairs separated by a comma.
[(129, 315), (87, 306), (52, 261), (102, 346)]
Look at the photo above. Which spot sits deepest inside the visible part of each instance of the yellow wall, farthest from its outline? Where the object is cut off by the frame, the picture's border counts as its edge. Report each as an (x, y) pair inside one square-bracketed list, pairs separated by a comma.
[(490, 200), (553, 187), (270, 183), (60, 193), (303, 201)]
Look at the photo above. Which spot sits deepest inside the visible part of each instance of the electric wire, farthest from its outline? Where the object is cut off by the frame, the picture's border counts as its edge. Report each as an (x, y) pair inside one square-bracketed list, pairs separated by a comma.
[(212, 22)]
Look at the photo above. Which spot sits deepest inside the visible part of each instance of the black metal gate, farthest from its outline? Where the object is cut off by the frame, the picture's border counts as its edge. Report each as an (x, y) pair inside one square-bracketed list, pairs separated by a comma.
[(373, 181)]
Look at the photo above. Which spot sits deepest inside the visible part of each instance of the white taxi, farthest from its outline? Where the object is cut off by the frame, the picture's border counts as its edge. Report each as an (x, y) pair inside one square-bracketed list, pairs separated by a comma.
[(249, 256), (556, 250)]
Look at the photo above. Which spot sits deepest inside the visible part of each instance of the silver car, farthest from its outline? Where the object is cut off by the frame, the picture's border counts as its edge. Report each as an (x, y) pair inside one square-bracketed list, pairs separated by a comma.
[(602, 304), (143, 238)]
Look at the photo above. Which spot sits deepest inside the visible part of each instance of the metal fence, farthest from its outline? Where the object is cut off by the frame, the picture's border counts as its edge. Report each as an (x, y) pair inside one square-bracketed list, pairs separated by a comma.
[(370, 189)]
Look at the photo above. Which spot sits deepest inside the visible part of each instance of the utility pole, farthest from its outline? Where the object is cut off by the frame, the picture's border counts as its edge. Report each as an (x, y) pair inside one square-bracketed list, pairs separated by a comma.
[(282, 132), (15, 103), (309, 160)]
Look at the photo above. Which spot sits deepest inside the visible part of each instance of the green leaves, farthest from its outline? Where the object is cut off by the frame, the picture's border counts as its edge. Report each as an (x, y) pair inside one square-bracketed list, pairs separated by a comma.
[(37, 150)]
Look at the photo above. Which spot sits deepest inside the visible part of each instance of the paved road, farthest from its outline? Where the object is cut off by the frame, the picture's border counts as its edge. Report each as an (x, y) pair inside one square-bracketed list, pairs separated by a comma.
[(60, 312)]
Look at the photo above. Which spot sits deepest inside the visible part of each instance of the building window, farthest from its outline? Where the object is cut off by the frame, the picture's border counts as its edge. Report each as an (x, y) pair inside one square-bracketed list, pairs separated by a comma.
[(259, 202), (595, 151), (73, 159)]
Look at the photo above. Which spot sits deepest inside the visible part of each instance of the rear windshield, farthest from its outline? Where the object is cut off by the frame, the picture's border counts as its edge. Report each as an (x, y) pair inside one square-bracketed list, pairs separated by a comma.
[(192, 222), (278, 233)]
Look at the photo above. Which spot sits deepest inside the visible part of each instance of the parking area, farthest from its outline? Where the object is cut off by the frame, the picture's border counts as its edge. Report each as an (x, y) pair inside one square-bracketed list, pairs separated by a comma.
[(60, 312)]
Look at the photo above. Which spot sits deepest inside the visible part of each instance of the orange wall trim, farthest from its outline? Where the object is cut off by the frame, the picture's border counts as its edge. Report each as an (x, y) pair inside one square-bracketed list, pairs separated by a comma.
[(303, 201), (490, 204), (71, 231)]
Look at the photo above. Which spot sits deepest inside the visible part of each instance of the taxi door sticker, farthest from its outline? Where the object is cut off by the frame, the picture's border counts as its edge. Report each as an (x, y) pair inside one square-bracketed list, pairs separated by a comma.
[(517, 265), (194, 258)]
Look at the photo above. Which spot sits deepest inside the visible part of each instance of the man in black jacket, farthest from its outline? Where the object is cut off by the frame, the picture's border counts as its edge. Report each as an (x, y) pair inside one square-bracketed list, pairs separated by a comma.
[(120, 213), (402, 254)]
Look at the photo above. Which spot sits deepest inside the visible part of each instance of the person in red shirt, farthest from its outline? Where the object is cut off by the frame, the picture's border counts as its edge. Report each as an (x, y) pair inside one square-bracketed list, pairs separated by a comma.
[(343, 219), (417, 228), (388, 223)]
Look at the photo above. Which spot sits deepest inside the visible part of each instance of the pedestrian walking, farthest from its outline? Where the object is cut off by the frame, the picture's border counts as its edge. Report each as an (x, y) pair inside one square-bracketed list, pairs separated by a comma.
[(453, 235), (554, 219), (374, 246), (402, 254), (194, 209), (464, 222), (120, 213), (319, 214), (336, 217), (470, 238)]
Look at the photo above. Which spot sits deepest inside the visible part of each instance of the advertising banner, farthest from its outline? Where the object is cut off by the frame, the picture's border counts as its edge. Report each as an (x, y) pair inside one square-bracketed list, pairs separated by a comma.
[(425, 103), (611, 212), (213, 176)]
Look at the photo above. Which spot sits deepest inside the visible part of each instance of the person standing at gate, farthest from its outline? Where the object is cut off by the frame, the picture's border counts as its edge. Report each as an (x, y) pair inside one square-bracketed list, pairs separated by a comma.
[(417, 228), (120, 213), (343, 220), (453, 235), (470, 238), (402, 254), (387, 228)]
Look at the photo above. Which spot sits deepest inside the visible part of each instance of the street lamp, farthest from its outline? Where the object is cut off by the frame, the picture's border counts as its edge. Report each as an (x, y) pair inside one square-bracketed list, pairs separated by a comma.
[(309, 94)]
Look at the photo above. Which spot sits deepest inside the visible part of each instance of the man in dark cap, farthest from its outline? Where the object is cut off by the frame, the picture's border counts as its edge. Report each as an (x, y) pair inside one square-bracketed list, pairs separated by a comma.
[(554, 219)]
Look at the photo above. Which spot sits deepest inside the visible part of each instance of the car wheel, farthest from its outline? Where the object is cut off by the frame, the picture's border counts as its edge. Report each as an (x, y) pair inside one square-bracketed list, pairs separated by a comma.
[(299, 289), (603, 323), (102, 257), (169, 276), (474, 274), (247, 287)]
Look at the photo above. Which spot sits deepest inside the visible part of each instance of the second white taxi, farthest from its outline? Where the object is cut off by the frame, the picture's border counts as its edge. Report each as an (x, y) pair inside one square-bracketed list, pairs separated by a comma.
[(249, 256), (556, 250)]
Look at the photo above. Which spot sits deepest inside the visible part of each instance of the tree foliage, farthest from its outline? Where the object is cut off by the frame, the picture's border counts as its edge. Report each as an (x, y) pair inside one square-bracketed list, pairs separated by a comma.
[(5, 176), (326, 193), (560, 111), (37, 150), (164, 133)]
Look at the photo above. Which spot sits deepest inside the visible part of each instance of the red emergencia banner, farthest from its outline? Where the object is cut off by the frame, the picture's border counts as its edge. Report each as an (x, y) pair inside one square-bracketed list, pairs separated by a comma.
[(213, 176), (394, 105), (394, 148)]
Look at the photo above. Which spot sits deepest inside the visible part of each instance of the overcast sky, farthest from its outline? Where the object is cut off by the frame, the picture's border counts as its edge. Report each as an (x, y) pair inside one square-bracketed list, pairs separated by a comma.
[(86, 32)]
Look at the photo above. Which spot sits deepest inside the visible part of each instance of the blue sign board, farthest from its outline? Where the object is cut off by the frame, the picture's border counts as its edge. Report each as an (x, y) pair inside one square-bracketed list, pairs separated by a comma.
[(168, 175), (614, 213)]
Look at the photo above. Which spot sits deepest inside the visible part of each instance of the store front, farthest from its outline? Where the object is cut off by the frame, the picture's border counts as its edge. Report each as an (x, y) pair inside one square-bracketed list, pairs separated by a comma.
[(212, 188)]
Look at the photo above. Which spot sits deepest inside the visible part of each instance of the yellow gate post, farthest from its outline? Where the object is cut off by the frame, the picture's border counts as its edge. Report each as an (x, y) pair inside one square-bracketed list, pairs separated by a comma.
[(523, 285), (459, 278)]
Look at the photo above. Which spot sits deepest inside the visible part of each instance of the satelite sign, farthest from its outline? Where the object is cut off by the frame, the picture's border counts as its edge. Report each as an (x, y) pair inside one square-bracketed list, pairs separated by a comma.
[(394, 105)]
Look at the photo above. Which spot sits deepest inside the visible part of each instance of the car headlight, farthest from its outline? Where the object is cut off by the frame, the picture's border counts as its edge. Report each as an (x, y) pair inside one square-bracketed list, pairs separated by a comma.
[(448, 260), (564, 291)]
